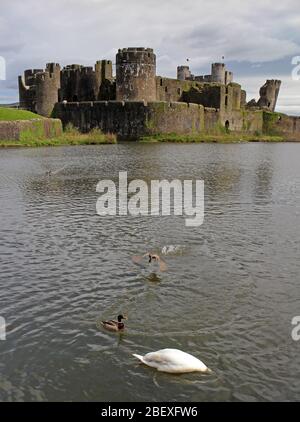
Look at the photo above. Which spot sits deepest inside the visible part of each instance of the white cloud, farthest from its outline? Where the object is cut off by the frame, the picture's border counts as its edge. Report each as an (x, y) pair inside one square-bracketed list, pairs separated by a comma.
[(82, 31)]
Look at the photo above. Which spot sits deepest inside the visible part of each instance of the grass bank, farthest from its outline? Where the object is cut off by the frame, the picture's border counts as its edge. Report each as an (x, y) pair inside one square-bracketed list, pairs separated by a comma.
[(205, 138), (70, 136), (12, 114)]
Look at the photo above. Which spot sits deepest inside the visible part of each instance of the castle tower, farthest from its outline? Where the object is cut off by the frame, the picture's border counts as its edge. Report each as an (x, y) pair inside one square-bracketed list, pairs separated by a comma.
[(183, 73), (136, 73), (228, 77), (269, 94), (218, 72), (47, 86), (104, 67)]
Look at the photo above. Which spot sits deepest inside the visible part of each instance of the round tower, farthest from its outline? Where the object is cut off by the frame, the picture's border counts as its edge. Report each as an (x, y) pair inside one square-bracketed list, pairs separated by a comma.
[(218, 72), (47, 86), (183, 73), (136, 74)]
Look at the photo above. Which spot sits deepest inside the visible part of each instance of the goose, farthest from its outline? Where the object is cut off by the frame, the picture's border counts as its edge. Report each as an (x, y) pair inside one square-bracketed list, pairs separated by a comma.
[(173, 361), (113, 325), (151, 258)]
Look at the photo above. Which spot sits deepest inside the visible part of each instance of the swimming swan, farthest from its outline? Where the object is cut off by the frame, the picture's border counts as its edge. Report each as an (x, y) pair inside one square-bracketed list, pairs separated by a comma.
[(173, 361)]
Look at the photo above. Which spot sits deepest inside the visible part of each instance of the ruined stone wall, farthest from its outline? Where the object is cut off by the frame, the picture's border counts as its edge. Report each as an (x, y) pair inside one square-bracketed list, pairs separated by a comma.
[(133, 119), (282, 125), (243, 98), (236, 96), (30, 129), (243, 121), (269, 94), (209, 95), (27, 95), (228, 77), (203, 78), (136, 74), (212, 120), (80, 83), (173, 90), (233, 97), (179, 118), (170, 90)]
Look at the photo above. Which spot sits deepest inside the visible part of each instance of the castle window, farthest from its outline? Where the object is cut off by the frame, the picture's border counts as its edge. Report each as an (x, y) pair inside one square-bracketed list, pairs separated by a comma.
[(227, 124), (178, 91), (226, 101), (166, 89), (161, 82)]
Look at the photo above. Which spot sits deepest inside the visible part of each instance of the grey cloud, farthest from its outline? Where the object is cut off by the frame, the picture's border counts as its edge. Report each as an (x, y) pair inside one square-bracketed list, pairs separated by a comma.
[(83, 31)]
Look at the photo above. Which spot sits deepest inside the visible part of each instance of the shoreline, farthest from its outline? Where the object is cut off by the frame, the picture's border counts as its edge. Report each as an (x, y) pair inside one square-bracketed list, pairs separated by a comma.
[(73, 138)]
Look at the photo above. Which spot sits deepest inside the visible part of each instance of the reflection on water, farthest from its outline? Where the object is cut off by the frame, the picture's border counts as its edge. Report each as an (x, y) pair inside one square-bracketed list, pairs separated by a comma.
[(228, 298)]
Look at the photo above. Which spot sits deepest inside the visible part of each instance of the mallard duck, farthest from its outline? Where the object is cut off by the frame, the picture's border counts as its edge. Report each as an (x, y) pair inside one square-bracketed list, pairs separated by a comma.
[(113, 325), (173, 361), (151, 257)]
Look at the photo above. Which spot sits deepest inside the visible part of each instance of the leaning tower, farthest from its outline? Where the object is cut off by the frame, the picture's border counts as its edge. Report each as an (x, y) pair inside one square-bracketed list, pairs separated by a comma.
[(136, 74)]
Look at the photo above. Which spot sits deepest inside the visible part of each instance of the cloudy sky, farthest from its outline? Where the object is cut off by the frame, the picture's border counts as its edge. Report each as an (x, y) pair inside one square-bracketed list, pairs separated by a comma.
[(258, 39)]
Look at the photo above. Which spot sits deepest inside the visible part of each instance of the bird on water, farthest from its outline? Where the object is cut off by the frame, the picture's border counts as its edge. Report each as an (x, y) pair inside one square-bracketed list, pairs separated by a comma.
[(151, 258), (113, 325)]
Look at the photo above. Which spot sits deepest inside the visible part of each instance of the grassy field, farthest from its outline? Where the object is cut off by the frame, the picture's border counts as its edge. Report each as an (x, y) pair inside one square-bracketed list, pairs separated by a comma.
[(205, 138), (11, 114)]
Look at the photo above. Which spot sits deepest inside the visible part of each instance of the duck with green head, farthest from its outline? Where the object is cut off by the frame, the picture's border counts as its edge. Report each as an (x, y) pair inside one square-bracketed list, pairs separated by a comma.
[(113, 325)]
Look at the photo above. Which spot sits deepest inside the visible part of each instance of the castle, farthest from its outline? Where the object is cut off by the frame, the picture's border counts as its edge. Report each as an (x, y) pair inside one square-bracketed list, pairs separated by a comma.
[(136, 101)]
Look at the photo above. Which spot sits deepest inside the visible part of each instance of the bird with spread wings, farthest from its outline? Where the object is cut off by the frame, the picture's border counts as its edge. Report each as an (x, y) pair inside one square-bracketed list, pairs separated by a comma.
[(151, 258)]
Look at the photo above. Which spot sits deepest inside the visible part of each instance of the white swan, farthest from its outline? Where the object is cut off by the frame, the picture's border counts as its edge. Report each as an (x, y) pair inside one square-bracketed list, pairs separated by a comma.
[(173, 361)]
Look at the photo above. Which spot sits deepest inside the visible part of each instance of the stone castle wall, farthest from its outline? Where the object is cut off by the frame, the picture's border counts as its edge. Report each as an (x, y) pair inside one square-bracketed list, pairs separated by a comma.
[(79, 83), (135, 119), (30, 129)]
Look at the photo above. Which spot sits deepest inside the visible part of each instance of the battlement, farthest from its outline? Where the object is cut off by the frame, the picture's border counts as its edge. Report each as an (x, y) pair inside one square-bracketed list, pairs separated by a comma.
[(52, 67), (135, 50), (104, 62), (141, 55)]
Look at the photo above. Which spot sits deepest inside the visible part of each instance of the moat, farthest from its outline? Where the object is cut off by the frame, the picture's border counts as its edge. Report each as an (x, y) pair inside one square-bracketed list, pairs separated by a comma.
[(228, 298)]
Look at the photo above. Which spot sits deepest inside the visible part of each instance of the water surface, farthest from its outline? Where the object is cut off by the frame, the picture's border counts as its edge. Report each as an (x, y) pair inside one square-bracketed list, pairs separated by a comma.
[(228, 298)]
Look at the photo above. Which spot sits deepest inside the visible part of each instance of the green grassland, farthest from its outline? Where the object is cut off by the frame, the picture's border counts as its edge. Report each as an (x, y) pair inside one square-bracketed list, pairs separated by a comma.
[(206, 138), (12, 114)]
